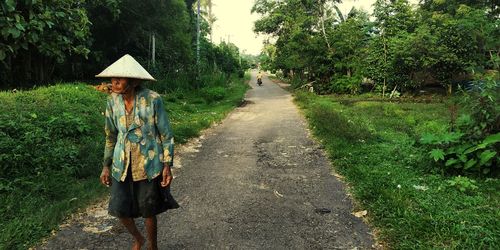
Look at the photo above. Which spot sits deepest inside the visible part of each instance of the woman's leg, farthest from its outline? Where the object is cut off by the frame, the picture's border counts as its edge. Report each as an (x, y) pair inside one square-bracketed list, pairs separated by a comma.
[(132, 229), (151, 228)]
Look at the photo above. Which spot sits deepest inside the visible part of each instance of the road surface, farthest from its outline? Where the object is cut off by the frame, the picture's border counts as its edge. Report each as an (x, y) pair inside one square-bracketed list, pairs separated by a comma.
[(255, 181)]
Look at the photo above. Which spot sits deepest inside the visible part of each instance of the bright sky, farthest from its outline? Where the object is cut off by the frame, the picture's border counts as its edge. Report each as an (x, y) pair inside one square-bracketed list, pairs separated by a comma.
[(235, 22)]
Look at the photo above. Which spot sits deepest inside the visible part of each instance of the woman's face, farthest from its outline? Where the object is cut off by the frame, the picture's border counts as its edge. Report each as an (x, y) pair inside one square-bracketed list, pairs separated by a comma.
[(119, 85)]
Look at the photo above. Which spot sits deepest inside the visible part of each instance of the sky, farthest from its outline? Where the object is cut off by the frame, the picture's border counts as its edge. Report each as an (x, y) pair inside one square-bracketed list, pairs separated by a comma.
[(235, 22)]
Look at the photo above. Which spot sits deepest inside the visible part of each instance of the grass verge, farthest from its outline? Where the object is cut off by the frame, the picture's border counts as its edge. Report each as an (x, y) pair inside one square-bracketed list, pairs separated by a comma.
[(412, 206), (51, 145)]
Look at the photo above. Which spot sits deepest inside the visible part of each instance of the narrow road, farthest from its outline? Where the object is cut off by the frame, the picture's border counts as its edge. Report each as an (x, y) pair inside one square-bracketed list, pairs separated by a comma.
[(256, 181)]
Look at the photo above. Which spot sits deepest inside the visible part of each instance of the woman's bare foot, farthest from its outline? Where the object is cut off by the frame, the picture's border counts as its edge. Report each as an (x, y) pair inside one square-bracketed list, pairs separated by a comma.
[(150, 247), (138, 243)]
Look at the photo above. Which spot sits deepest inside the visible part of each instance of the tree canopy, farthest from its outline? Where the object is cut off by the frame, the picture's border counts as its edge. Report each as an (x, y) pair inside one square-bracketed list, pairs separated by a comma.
[(400, 46), (43, 41)]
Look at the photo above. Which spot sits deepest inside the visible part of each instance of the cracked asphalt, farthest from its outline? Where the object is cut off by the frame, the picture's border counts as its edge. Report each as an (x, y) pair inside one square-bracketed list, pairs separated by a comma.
[(256, 181)]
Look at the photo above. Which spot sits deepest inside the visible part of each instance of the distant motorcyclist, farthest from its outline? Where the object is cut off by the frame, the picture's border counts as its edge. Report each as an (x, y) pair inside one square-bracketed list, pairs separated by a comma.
[(259, 78)]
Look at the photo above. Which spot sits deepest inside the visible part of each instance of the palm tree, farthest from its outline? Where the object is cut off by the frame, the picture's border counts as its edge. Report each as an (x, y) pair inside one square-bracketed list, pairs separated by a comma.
[(208, 14)]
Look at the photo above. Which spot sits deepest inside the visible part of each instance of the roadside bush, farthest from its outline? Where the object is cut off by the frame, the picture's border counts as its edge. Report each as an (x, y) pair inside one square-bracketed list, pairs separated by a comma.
[(51, 144), (473, 142), (45, 129), (213, 94), (346, 85)]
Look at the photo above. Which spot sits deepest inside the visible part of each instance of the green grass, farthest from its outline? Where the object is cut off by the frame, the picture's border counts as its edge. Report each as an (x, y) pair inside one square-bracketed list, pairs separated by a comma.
[(374, 146), (191, 112), (51, 146)]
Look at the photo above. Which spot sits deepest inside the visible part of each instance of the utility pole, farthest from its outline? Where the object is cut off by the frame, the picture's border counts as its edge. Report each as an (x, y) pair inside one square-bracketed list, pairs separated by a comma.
[(153, 55), (152, 49)]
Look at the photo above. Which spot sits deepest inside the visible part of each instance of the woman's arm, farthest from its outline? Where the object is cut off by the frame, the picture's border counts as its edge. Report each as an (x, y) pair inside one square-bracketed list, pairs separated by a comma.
[(111, 134), (165, 131)]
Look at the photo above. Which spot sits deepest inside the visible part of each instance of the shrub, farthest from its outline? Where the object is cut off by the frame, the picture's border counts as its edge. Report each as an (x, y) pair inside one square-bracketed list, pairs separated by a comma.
[(51, 145), (472, 144), (346, 85), (213, 94), (47, 129), (463, 184)]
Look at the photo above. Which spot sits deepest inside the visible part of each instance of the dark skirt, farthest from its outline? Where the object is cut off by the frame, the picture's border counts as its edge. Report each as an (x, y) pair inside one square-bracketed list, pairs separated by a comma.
[(132, 199)]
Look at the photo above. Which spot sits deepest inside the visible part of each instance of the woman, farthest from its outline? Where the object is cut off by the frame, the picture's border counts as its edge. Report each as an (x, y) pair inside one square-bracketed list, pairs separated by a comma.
[(139, 150)]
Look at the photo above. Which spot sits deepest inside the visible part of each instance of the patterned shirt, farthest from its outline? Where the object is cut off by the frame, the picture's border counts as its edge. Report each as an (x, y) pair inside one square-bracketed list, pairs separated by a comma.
[(150, 131), (132, 156)]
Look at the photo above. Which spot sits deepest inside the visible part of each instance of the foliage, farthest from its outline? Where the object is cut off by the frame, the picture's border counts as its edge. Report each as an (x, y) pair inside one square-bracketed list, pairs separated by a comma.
[(50, 153), (127, 26), (213, 94), (404, 48), (36, 35), (463, 184), (474, 140), (391, 177), (46, 40), (455, 151), (346, 85)]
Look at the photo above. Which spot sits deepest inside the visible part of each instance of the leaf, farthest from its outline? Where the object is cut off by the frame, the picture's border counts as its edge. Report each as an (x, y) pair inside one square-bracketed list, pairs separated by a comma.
[(485, 156), (428, 139), (472, 149), (450, 162), (451, 137), (492, 139), (437, 154), (470, 163), (462, 157), (20, 27), (339, 13), (15, 32), (460, 149), (9, 5)]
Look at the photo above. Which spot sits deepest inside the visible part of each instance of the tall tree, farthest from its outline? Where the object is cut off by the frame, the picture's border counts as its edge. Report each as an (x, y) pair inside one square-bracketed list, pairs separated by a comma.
[(38, 35)]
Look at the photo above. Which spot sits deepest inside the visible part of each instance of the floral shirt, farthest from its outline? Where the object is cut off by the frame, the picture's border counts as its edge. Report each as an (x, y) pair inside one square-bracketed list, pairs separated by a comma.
[(133, 157), (150, 130)]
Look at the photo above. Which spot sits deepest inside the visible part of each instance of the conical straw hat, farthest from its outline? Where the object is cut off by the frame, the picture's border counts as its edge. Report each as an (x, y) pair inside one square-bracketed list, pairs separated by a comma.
[(126, 67)]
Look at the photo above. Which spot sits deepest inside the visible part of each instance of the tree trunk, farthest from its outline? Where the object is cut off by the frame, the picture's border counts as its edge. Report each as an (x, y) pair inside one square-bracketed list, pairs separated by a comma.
[(385, 64), (322, 21)]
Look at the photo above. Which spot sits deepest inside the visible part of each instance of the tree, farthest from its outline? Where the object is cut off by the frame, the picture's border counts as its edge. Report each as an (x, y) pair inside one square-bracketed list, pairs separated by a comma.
[(209, 15), (389, 61), (460, 43), (37, 35), (130, 32)]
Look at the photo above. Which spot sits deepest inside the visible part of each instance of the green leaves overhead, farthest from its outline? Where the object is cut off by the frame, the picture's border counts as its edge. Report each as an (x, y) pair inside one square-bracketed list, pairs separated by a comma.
[(401, 46), (68, 39)]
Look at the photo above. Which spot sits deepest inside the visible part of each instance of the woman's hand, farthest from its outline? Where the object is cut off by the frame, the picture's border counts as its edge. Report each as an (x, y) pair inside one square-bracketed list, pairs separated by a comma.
[(166, 176), (105, 177)]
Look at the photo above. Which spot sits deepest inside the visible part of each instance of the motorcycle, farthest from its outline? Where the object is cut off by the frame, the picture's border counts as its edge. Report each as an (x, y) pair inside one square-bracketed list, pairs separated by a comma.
[(259, 81)]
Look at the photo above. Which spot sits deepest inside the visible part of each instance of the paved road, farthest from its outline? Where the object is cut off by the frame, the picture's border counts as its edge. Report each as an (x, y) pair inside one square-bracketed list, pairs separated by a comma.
[(256, 181)]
